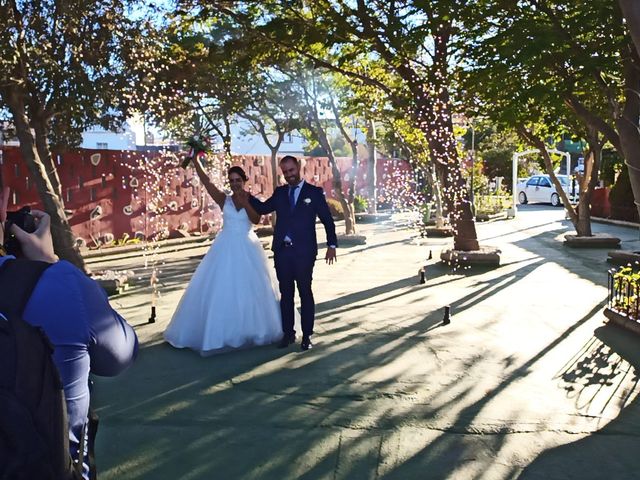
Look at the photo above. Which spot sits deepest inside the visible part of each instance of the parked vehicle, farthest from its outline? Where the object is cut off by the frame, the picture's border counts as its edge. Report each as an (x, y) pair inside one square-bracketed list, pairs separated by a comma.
[(539, 188)]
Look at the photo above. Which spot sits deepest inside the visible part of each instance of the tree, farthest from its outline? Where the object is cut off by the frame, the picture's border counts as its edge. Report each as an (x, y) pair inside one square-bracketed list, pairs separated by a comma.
[(415, 42), (216, 75), (546, 68), (318, 96), (61, 70), (604, 58), (271, 69), (402, 134), (496, 150), (273, 112)]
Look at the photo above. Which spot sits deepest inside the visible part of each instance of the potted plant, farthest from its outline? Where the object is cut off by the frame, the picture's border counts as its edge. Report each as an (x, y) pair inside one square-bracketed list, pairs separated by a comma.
[(623, 306)]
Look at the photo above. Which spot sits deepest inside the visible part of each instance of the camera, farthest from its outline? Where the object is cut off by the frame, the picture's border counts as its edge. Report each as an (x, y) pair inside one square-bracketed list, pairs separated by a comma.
[(23, 219)]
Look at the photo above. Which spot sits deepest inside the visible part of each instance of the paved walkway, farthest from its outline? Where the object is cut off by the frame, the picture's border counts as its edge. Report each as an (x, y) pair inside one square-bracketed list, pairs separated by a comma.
[(526, 381)]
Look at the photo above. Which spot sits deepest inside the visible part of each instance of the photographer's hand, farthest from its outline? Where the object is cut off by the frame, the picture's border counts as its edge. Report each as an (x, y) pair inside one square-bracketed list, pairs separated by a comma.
[(39, 244)]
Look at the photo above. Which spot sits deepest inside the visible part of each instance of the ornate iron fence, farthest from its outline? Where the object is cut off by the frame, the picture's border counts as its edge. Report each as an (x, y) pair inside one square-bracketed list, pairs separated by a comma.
[(624, 289)]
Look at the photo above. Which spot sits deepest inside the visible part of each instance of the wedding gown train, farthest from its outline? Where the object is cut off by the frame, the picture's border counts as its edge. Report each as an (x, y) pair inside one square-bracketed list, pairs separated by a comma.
[(232, 300)]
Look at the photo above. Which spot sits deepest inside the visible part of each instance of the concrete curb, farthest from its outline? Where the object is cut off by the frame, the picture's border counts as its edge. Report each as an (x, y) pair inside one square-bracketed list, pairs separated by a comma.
[(622, 320), (598, 240), (139, 247), (619, 223)]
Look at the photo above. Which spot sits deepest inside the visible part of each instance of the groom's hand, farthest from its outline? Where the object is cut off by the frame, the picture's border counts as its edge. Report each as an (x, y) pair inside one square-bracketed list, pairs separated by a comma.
[(330, 257), (243, 197)]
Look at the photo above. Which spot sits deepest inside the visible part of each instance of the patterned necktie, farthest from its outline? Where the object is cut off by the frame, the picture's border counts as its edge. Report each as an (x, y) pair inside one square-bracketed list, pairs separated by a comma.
[(292, 197)]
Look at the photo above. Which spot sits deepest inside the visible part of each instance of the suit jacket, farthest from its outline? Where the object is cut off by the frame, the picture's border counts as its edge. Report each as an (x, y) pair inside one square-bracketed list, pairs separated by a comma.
[(300, 223)]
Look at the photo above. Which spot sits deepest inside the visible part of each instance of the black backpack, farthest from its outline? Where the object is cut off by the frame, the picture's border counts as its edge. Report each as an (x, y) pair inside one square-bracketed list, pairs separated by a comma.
[(34, 436)]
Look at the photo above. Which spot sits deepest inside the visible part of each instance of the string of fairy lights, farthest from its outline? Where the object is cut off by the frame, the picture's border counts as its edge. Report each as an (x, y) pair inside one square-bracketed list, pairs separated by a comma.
[(165, 96), (151, 187)]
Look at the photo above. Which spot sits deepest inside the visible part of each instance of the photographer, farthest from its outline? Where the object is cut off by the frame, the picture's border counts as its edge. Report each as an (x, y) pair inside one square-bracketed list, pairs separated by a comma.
[(73, 310)]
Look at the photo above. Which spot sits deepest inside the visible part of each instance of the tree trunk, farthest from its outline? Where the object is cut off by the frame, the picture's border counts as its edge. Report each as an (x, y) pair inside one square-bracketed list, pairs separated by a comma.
[(587, 185), (461, 218), (226, 141), (372, 170), (351, 186), (627, 126), (433, 114), (437, 196), (349, 216), (63, 239), (273, 148), (538, 143), (274, 178), (347, 208), (588, 182), (631, 12), (226, 137), (42, 145), (442, 149), (351, 191)]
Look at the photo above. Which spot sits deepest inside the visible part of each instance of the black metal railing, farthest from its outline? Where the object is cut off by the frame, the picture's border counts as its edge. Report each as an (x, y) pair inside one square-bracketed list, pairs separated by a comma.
[(624, 286)]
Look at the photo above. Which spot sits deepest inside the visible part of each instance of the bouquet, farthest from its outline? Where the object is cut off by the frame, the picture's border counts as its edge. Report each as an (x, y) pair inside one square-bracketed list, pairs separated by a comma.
[(198, 145)]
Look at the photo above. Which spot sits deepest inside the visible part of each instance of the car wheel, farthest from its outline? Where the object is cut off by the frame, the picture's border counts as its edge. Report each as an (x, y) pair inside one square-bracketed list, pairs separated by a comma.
[(522, 198), (555, 200)]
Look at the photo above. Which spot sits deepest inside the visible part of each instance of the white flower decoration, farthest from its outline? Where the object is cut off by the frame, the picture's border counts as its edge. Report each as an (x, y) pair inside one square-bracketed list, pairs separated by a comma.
[(307, 201)]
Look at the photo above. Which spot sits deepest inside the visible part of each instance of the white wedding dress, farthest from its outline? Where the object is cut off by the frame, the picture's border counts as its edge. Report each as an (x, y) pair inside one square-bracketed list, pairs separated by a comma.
[(232, 299)]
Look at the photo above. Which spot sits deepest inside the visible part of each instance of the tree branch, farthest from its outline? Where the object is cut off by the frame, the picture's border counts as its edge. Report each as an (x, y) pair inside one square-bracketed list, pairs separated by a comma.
[(536, 142), (317, 61), (592, 119), (579, 52)]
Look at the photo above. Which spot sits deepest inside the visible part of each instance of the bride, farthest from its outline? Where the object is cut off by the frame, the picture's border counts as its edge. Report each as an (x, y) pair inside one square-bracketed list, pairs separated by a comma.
[(232, 300)]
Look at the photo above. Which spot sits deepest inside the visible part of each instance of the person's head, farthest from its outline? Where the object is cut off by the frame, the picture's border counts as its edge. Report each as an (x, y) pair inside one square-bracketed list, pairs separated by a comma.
[(290, 167), (237, 178)]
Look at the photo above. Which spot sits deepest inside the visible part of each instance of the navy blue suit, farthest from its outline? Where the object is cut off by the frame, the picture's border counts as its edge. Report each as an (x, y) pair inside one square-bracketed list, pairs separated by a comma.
[(294, 263)]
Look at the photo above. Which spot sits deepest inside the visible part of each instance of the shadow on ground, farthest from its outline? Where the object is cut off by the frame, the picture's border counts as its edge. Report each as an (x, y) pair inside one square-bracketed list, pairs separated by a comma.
[(343, 410), (613, 357)]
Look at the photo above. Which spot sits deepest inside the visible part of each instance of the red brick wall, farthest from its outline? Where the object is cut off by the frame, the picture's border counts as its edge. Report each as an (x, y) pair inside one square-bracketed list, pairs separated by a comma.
[(132, 182)]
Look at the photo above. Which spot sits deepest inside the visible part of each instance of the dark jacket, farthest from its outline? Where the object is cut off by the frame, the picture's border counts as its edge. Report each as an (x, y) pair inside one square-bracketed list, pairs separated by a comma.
[(300, 223)]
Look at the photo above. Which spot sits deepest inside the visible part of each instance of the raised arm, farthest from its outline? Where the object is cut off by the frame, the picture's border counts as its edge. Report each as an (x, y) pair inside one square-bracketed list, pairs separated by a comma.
[(217, 194)]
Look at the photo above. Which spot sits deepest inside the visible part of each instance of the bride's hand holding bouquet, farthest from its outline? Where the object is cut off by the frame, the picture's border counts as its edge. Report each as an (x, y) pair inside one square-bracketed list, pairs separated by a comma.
[(199, 145)]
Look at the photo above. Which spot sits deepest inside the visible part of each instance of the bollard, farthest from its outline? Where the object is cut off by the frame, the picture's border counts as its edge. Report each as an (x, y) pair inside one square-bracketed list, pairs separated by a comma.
[(447, 315), (422, 273), (153, 281)]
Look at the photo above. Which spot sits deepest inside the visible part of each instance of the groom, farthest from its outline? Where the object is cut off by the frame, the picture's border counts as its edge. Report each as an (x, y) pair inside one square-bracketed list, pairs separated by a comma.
[(295, 245)]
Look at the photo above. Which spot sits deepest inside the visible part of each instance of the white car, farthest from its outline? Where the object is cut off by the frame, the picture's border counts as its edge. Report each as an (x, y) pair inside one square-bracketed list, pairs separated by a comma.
[(539, 188)]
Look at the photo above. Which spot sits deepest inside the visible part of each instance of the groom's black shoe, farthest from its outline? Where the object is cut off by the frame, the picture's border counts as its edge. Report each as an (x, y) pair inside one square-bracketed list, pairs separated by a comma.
[(286, 341), (306, 344)]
